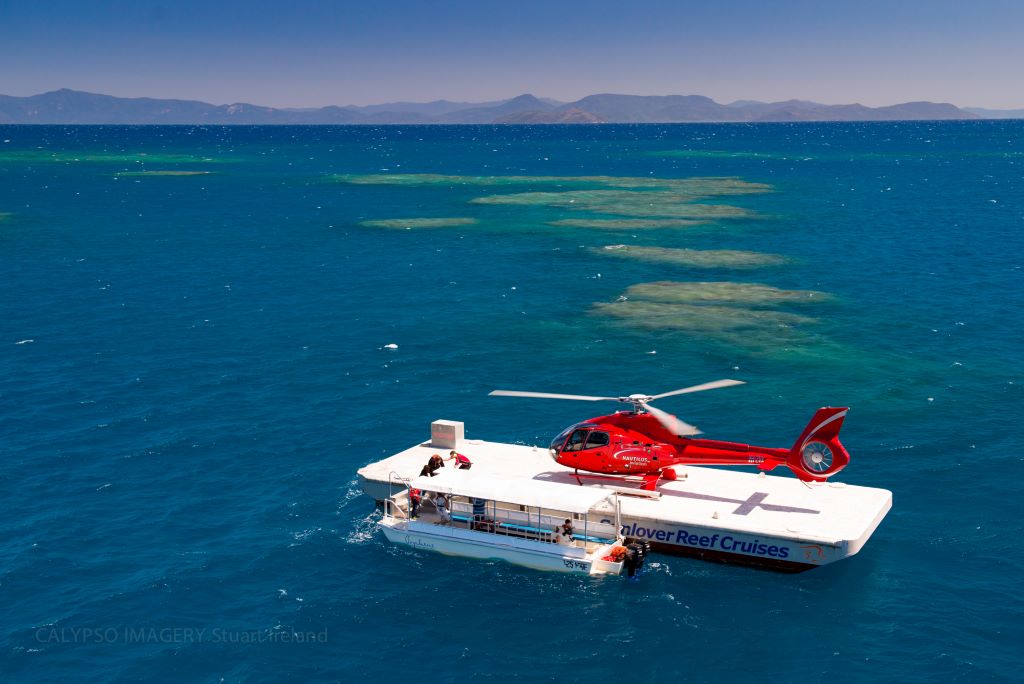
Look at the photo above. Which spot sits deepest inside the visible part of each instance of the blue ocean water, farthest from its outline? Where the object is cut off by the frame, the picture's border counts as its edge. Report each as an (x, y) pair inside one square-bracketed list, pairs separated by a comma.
[(193, 369)]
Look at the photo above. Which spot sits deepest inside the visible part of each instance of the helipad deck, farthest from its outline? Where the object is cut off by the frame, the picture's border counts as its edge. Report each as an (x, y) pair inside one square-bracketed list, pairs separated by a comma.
[(730, 515)]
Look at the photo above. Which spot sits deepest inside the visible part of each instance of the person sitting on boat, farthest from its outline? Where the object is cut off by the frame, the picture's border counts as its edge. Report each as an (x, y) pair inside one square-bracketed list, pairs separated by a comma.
[(560, 537), (461, 462), (566, 529), (441, 504)]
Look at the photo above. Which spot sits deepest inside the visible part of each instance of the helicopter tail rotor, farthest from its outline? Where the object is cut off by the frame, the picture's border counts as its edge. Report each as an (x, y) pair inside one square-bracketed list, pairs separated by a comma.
[(818, 453)]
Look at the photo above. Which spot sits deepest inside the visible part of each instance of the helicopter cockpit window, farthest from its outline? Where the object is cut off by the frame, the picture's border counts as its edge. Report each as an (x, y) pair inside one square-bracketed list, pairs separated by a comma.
[(576, 440), (597, 439)]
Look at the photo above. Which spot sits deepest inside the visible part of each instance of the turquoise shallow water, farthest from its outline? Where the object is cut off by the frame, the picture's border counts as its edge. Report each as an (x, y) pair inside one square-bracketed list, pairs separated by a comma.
[(192, 370)]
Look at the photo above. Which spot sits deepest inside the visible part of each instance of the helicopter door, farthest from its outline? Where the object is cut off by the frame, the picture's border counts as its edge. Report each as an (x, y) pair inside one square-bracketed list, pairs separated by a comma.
[(576, 440), (596, 440)]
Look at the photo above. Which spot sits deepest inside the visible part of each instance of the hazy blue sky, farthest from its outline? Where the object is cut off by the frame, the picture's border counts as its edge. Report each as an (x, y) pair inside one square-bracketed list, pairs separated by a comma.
[(303, 53)]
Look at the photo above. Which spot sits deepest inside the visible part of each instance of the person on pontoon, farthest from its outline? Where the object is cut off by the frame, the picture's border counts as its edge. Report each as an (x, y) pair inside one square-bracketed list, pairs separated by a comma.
[(461, 462), (433, 465)]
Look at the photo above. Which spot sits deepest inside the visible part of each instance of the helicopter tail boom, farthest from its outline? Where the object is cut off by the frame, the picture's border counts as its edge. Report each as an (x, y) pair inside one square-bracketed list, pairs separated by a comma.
[(818, 453)]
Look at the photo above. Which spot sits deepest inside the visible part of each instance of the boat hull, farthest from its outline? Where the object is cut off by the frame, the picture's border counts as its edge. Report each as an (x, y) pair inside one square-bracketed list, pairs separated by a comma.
[(482, 546)]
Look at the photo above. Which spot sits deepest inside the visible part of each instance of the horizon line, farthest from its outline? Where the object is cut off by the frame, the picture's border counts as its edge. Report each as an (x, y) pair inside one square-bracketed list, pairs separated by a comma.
[(502, 100)]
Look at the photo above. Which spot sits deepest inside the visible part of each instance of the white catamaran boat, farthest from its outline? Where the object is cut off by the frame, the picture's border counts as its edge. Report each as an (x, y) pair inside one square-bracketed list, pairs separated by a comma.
[(537, 524)]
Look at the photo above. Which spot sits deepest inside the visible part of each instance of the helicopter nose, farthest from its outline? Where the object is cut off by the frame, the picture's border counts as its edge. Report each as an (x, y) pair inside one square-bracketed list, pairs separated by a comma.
[(554, 454)]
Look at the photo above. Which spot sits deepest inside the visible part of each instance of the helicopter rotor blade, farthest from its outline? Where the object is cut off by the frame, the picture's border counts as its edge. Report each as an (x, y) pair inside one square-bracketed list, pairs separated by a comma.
[(671, 423), (548, 395), (699, 388)]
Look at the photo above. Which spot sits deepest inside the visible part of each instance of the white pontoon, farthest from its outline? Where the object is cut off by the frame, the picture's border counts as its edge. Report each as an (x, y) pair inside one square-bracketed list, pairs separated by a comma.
[(710, 513), (519, 521)]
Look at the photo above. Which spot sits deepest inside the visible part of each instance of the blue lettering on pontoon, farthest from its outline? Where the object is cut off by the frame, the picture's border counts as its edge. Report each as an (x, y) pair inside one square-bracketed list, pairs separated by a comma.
[(728, 543)]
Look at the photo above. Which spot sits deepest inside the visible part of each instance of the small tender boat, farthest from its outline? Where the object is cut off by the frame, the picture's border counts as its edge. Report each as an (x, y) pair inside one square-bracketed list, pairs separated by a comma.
[(537, 524)]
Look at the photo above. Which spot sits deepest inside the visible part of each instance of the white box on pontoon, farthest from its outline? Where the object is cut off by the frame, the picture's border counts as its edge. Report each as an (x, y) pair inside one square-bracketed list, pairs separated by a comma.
[(446, 434)]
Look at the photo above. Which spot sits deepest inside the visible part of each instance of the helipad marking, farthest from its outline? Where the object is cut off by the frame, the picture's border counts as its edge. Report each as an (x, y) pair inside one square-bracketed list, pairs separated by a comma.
[(747, 505), (752, 502)]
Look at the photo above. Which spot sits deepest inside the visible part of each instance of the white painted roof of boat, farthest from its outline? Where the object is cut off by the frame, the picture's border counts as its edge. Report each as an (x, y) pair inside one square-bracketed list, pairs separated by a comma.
[(523, 491)]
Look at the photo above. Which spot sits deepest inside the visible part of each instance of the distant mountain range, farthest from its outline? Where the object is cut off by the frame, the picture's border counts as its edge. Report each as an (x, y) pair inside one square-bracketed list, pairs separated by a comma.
[(75, 107)]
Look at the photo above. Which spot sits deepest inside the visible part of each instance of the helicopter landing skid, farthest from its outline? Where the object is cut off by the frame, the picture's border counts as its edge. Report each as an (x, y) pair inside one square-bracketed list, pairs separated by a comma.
[(643, 486)]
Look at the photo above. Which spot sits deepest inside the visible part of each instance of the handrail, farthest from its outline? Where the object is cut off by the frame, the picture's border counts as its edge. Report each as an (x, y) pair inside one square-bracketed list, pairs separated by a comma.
[(403, 480)]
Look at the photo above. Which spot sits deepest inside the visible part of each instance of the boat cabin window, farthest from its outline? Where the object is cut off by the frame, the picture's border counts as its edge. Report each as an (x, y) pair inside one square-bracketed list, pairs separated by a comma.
[(597, 439)]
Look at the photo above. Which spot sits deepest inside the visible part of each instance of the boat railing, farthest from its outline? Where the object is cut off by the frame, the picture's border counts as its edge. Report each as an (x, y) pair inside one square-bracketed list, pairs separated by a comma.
[(526, 524), (394, 477), (393, 506)]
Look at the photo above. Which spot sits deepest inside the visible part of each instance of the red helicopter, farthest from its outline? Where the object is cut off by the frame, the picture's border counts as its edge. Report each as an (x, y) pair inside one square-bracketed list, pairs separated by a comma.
[(647, 441)]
